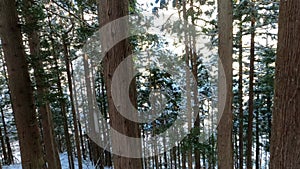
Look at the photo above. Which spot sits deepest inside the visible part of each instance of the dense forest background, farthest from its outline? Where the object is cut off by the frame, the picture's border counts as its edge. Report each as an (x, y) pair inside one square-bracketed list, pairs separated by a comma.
[(243, 114)]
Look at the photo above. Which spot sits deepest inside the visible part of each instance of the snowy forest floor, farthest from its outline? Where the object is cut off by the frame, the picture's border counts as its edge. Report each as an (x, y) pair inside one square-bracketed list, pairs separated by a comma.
[(64, 163)]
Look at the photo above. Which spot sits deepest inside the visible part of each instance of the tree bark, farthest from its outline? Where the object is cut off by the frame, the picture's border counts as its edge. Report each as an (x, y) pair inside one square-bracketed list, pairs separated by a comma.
[(241, 111), (285, 144), (224, 141), (20, 86), (117, 9), (52, 157), (251, 96)]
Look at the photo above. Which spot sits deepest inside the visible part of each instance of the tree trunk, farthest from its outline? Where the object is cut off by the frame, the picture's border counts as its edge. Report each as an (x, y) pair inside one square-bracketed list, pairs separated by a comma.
[(93, 147), (10, 158), (52, 157), (251, 97), (179, 155), (117, 9), (195, 64), (20, 86), (64, 117), (285, 152), (108, 161), (224, 141), (241, 111), (77, 142), (183, 158), (61, 100), (257, 148), (188, 82), (3, 143), (78, 115)]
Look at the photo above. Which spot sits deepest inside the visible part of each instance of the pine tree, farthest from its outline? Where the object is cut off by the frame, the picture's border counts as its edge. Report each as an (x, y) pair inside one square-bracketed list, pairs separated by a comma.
[(224, 141), (20, 86)]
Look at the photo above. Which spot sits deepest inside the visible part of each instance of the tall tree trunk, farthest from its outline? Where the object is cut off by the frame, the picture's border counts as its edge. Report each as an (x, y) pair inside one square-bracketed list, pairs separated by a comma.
[(188, 82), (52, 157), (251, 96), (257, 144), (224, 141), (61, 99), (195, 64), (67, 62), (64, 117), (93, 147), (240, 91), (78, 114), (20, 86), (285, 152), (117, 9)]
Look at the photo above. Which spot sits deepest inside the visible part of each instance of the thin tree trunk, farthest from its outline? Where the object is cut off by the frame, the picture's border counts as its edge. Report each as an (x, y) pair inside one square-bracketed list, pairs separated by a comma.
[(20, 86), (2, 137), (10, 158), (61, 101), (108, 161), (224, 141), (93, 147), (194, 60), (179, 155), (240, 91), (285, 144), (77, 142), (257, 148), (174, 157), (236, 163), (251, 97), (65, 119), (78, 115), (188, 83), (183, 158), (165, 153)]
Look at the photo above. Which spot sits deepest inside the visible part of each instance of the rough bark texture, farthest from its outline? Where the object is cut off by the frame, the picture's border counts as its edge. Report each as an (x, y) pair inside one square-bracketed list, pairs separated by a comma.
[(224, 142), (109, 11), (20, 86), (285, 141)]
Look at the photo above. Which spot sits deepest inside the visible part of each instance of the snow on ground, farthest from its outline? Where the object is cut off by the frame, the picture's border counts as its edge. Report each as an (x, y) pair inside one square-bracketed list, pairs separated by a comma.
[(64, 163)]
